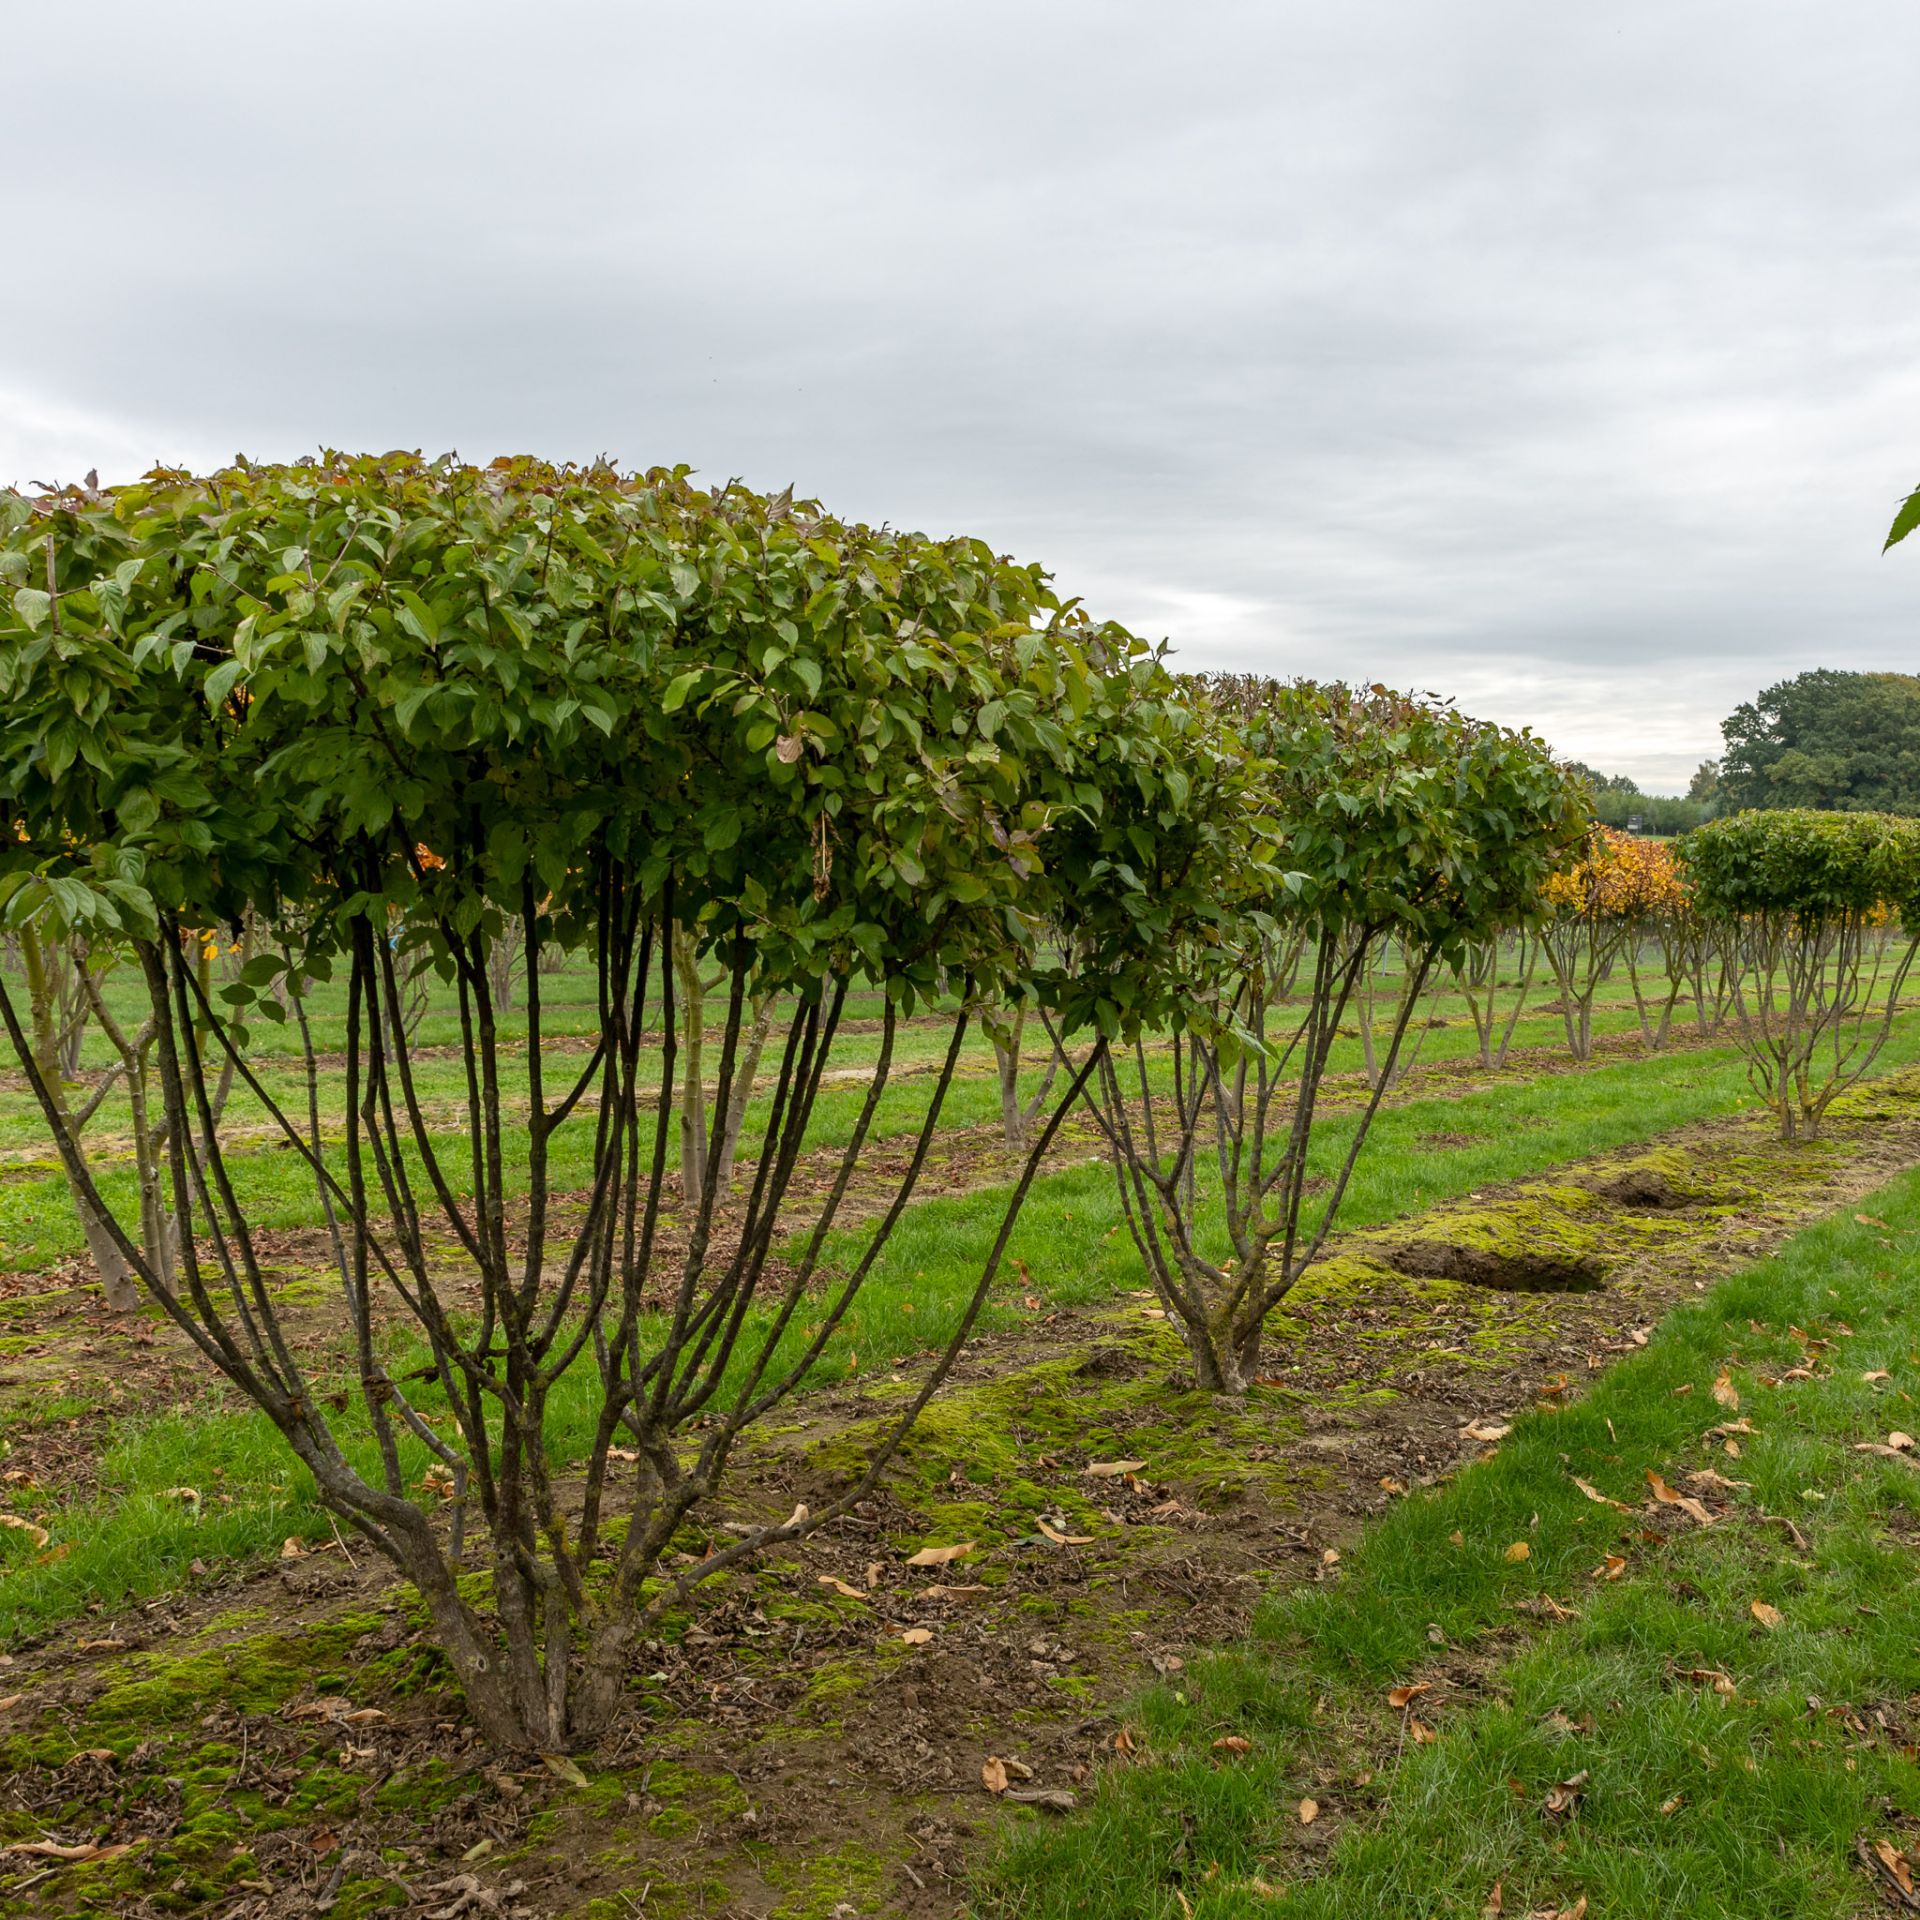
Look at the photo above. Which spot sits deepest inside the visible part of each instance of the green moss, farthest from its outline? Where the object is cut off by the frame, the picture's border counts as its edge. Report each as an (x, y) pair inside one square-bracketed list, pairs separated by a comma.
[(251, 1675), (851, 1875)]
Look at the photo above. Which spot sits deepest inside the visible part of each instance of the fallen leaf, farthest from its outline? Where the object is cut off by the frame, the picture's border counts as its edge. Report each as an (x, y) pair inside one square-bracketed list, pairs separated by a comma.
[(291, 1549), (99, 1646), (53, 1850), (38, 1535), (1456, 1538), (916, 1636), (1685, 1502), (1878, 1373), (1405, 1696), (1123, 1740), (1309, 1812), (559, 1766), (1769, 1617), (1485, 1431), (1054, 1799), (1720, 1682), (798, 1517), (1706, 1477), (942, 1593), (1388, 1484), (1419, 1732), (89, 1753), (1165, 1663), (1330, 1557), (1496, 1902), (11, 1701), (1060, 1539), (1726, 1392), (941, 1556), (1867, 1220), (840, 1587), (1900, 1442), (993, 1774), (1798, 1538), (1564, 1795), (1112, 1469), (1520, 1550), (1673, 1806), (1233, 1743), (1594, 1494), (1894, 1864), (190, 1495)]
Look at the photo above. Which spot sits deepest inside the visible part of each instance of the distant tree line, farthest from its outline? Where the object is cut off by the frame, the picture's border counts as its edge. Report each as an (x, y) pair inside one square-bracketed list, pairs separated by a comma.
[(1826, 740)]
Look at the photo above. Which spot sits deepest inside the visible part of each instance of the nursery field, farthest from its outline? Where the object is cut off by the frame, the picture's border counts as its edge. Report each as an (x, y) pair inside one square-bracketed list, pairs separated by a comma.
[(1581, 1376), (708, 1211)]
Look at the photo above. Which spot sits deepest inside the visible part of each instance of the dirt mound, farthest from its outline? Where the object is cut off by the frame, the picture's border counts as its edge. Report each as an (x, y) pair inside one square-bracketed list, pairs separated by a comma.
[(1527, 1272), (1644, 1187)]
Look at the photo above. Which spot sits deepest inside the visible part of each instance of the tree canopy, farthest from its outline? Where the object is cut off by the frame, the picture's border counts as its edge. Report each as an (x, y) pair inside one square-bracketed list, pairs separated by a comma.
[(1829, 740)]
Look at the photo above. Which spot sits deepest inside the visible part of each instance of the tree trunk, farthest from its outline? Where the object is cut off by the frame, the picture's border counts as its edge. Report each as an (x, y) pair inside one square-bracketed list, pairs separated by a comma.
[(693, 1092)]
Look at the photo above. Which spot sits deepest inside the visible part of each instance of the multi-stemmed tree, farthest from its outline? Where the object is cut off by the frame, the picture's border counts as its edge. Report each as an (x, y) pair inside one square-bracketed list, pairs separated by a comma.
[(1312, 825), (571, 710)]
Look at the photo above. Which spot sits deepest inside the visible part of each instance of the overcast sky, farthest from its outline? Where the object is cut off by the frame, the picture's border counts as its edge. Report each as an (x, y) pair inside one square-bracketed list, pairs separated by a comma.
[(1565, 361)]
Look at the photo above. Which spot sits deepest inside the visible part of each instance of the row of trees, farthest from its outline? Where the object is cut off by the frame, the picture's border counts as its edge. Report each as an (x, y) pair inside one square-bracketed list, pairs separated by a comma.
[(362, 715), (359, 720)]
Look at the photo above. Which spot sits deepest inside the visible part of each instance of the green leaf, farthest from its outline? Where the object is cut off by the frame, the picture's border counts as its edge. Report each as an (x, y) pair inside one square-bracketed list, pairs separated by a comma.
[(683, 684), (33, 605), (1905, 520)]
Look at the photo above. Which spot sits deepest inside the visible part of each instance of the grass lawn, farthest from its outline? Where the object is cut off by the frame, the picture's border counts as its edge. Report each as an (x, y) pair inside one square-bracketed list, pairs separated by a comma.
[(1733, 1708)]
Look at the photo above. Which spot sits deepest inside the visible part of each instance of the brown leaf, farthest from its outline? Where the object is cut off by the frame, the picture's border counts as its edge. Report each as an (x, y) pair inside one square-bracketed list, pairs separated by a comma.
[(1054, 1799), (1405, 1696), (1878, 1373), (941, 1592), (1309, 1812), (1612, 1567), (915, 1636), (1726, 1392), (1769, 1617), (1233, 1743), (1496, 1902), (1519, 1551), (11, 1701), (1673, 1806), (1564, 1796), (1720, 1682), (53, 1850), (993, 1774), (840, 1587), (1112, 1469), (1685, 1502), (1895, 1862), (38, 1535), (1485, 1430), (941, 1556), (1060, 1539), (89, 1753), (1594, 1494), (1718, 1482), (1900, 1442), (291, 1548), (1123, 1741), (1419, 1732)]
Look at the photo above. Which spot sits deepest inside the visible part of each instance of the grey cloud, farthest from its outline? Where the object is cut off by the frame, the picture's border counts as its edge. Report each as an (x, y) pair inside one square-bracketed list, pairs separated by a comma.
[(1562, 362)]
